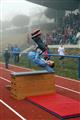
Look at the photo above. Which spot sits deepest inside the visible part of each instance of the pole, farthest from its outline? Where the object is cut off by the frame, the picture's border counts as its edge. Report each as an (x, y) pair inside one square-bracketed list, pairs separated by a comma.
[(79, 68)]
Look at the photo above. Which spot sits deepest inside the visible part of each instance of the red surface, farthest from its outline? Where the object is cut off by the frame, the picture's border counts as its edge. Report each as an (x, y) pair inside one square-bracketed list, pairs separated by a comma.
[(6, 113), (68, 93), (71, 84), (23, 107), (74, 85), (59, 104)]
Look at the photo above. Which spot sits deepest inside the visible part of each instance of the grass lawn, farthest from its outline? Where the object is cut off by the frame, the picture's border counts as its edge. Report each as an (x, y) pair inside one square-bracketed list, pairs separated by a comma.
[(69, 69)]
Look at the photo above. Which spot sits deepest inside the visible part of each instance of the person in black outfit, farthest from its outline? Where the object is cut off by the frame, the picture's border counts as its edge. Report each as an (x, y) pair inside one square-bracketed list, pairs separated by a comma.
[(36, 37), (6, 57)]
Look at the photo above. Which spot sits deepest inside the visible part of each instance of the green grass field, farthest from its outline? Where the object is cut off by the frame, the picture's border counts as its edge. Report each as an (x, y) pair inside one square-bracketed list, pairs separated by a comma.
[(70, 68)]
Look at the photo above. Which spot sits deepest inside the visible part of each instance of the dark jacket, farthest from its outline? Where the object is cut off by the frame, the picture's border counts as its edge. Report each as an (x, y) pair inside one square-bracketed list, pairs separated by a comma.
[(6, 55)]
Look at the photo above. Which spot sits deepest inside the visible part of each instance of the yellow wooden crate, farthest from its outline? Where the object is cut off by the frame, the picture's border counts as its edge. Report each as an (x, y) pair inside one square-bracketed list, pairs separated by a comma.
[(31, 84)]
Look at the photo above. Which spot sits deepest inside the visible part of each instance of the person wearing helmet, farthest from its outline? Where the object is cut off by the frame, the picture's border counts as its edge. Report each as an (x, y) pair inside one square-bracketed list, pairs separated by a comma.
[(36, 37)]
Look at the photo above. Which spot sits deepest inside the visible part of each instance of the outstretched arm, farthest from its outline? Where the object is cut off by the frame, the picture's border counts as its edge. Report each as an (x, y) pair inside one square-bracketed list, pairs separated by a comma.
[(27, 50)]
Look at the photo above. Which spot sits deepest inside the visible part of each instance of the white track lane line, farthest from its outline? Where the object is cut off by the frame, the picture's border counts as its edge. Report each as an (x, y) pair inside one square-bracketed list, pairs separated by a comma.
[(55, 85), (5, 79), (10, 108), (29, 69), (18, 66), (6, 69), (10, 82), (67, 89), (55, 75), (68, 78)]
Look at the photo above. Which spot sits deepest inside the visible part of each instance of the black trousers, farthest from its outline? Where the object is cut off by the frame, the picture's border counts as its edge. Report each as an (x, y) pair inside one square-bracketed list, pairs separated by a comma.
[(16, 58), (6, 64), (40, 43)]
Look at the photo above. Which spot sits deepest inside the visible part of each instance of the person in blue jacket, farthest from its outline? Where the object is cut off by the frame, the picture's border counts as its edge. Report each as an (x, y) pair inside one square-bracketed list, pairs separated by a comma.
[(16, 52), (36, 58)]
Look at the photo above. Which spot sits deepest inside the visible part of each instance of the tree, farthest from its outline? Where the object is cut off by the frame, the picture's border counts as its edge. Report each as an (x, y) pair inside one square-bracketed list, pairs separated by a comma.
[(50, 13), (20, 20), (56, 14), (5, 24)]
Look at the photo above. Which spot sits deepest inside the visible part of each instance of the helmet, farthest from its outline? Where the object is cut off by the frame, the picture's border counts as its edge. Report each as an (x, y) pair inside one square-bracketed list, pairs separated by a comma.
[(36, 33)]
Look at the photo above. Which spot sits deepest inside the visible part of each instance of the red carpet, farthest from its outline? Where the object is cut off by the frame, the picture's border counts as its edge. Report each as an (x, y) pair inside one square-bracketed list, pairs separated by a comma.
[(57, 104)]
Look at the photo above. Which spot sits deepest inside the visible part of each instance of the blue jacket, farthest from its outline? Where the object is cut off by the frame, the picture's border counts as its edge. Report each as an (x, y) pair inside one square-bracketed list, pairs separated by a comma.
[(16, 50), (35, 58)]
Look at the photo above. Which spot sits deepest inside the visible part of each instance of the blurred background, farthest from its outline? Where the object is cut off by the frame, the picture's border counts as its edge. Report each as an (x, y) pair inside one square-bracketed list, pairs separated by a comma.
[(58, 21)]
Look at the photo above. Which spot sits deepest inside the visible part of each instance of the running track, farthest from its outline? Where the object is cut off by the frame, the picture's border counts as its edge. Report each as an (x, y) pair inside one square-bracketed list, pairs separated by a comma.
[(11, 109)]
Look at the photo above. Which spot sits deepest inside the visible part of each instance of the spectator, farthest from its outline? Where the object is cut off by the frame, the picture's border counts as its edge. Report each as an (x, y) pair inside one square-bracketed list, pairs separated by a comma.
[(16, 53), (6, 57), (61, 52), (78, 35)]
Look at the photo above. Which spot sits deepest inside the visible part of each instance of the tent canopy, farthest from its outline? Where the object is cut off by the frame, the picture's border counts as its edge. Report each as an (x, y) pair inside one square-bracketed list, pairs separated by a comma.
[(58, 4)]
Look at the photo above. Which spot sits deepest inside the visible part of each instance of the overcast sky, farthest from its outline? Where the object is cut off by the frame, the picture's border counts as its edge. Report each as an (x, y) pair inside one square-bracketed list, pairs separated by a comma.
[(10, 8)]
